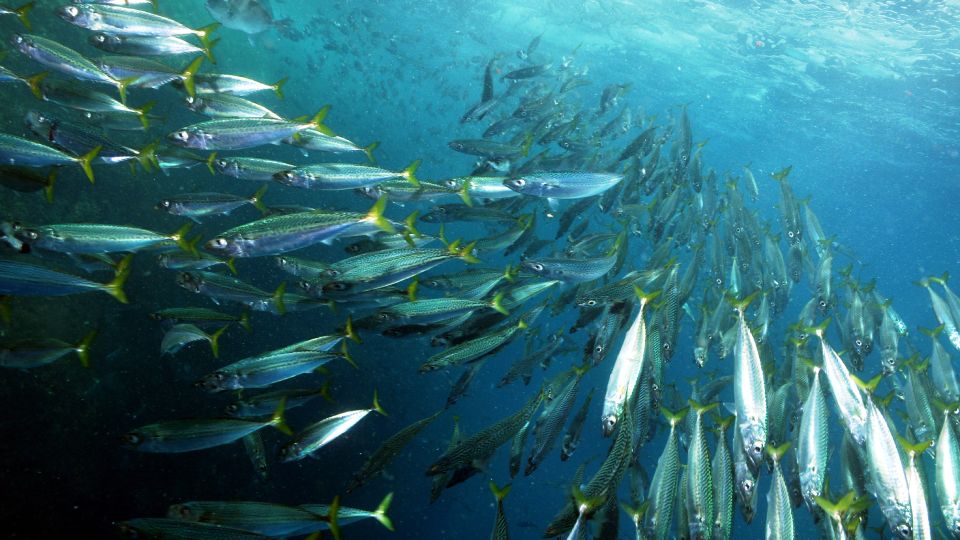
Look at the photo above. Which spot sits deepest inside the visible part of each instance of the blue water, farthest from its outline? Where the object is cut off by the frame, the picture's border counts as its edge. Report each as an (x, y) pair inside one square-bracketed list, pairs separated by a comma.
[(861, 99)]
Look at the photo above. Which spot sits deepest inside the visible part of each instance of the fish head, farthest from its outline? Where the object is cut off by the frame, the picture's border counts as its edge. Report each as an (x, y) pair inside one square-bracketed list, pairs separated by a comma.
[(537, 268), (72, 14), (903, 530), (288, 178), (700, 355), (105, 40), (40, 123), (190, 281), (234, 409), (888, 361), (23, 44), (516, 184), (289, 452), (132, 439), (216, 381), (182, 137), (221, 246), (609, 422), (164, 205), (182, 512)]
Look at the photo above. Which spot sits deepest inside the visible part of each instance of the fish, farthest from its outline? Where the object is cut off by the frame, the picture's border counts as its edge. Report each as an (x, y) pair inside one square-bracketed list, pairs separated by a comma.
[(26, 180), (176, 436), (254, 516), (25, 279), (183, 334), (228, 106), (550, 423), (248, 16), (201, 316), (130, 21), (21, 152), (485, 442), (201, 205), (225, 288), (92, 238), (274, 235), (749, 390), (346, 515), (500, 530), (265, 370), (627, 367), (887, 474), (563, 185), (340, 176), (253, 444), (68, 94), (263, 403), (22, 12), (779, 513), (34, 353), (920, 527), (572, 270), (947, 471), (139, 45), (700, 514), (723, 481), (388, 451), (230, 84), (63, 59), (470, 351), (813, 443), (175, 528), (245, 168), (239, 133), (319, 434)]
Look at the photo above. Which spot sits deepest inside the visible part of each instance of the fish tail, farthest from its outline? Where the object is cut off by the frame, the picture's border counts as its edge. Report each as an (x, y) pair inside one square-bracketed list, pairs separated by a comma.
[(34, 81), (674, 418), (497, 303), (368, 150), (278, 88), (777, 452), (180, 237), (187, 76), (85, 161), (465, 192), (155, 5), (510, 273), (819, 329), (700, 408), (231, 264), (278, 298), (583, 501), (257, 200), (932, 332), (350, 333), (215, 340), (325, 391), (724, 422), (205, 43), (527, 143), (147, 156), (346, 355), (643, 296), (834, 508), (23, 13), (48, 189), (380, 514), (467, 253), (376, 404), (412, 289), (277, 421), (332, 516), (867, 386), (376, 215), (500, 493), (782, 174), (210, 159), (142, 113), (208, 51), (411, 224), (914, 448), (83, 348), (245, 316), (122, 86), (115, 287), (408, 173)]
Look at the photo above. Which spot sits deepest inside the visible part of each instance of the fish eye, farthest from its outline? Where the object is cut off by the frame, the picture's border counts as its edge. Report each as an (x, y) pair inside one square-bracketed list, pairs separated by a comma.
[(100, 38), (131, 439), (757, 448), (71, 11), (536, 267), (165, 204), (31, 235), (219, 243), (790, 234), (221, 163), (450, 184), (858, 343), (336, 286), (182, 135), (609, 422), (591, 303), (718, 281), (747, 485), (232, 408), (598, 349), (904, 530), (519, 182), (382, 316)]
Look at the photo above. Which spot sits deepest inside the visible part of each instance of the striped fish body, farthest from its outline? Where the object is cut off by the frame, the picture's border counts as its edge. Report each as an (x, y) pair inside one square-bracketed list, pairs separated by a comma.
[(278, 234), (320, 434), (948, 477), (17, 151), (94, 238), (122, 20), (265, 370), (189, 435), (60, 58), (700, 512), (235, 133), (812, 444), (779, 513), (243, 168), (750, 394)]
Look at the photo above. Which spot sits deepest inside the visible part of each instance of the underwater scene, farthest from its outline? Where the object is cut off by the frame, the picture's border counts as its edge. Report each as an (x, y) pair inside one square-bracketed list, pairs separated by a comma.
[(666, 269)]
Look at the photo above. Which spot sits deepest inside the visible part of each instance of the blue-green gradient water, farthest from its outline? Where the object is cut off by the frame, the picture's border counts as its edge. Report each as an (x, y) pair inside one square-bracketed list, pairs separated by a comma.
[(859, 97)]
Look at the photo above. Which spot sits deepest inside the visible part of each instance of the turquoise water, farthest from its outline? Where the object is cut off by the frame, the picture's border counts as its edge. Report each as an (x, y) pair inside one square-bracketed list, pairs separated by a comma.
[(859, 98)]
